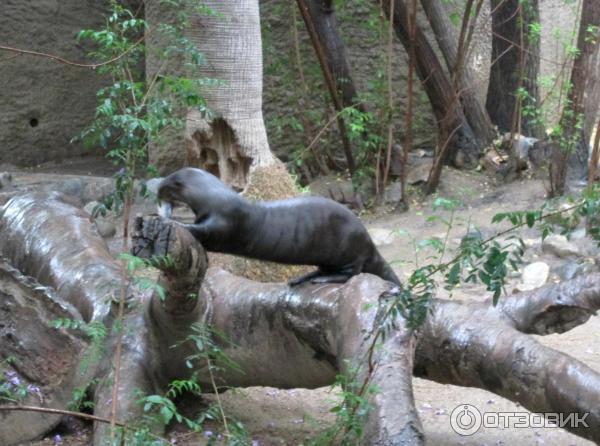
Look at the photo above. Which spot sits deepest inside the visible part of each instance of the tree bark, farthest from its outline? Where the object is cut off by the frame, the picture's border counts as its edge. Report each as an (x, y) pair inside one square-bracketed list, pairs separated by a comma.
[(463, 149), (234, 140), (322, 13), (447, 40), (515, 64), (312, 330), (323, 49), (570, 149)]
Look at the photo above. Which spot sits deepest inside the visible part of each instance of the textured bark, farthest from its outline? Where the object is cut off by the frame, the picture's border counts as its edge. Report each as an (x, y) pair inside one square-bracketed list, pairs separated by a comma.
[(463, 148), (447, 40), (234, 141), (322, 13), (507, 362), (570, 152), (325, 60), (47, 358), (592, 98), (515, 64), (313, 329)]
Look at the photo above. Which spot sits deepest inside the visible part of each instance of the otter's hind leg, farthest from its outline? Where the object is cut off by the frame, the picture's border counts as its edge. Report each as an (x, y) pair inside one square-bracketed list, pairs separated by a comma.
[(326, 276), (305, 278)]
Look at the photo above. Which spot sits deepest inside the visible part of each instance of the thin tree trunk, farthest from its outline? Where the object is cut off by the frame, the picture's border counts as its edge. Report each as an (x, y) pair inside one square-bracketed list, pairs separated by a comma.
[(570, 150), (592, 99), (447, 40), (330, 79), (323, 16), (463, 148), (513, 66)]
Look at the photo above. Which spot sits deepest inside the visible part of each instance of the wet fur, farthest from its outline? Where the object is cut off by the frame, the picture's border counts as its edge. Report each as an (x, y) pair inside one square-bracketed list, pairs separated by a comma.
[(302, 230)]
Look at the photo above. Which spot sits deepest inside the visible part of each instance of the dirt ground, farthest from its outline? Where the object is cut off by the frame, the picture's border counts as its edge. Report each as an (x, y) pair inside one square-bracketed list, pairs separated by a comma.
[(294, 417)]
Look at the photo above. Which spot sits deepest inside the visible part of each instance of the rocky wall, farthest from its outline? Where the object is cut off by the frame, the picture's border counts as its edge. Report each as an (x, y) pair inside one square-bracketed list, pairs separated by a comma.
[(43, 103)]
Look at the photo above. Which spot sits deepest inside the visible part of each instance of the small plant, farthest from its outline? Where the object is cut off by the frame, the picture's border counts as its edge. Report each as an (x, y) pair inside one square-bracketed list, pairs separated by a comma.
[(351, 412), (211, 354), (134, 110), (96, 331), (12, 387)]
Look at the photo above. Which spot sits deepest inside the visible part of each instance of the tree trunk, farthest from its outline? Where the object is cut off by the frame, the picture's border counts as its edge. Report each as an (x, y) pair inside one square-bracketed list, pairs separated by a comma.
[(515, 65), (233, 140), (592, 98), (463, 148), (570, 149), (323, 49), (322, 13), (314, 332), (447, 40)]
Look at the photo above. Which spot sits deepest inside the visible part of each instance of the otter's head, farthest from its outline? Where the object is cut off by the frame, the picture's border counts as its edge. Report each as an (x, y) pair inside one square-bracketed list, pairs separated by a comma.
[(172, 190)]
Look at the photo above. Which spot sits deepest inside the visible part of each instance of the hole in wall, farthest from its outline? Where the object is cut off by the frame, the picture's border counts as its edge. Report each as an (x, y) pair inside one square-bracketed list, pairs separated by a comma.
[(33, 122)]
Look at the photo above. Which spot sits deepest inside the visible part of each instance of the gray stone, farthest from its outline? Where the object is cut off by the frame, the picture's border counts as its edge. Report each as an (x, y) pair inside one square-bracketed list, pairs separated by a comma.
[(72, 186), (106, 228), (89, 208), (104, 224), (534, 276), (43, 110), (571, 269), (418, 174), (97, 189), (559, 246), (336, 188), (381, 236), (6, 180), (393, 192)]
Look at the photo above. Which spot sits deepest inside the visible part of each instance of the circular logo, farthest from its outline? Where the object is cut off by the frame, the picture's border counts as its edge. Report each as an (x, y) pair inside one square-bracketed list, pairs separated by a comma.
[(465, 419)]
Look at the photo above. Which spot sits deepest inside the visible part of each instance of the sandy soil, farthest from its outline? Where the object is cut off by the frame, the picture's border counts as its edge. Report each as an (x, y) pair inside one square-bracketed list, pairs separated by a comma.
[(294, 417)]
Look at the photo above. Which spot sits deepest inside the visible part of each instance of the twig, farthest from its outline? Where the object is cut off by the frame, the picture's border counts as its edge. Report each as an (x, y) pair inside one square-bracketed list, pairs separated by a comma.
[(76, 64), (81, 415)]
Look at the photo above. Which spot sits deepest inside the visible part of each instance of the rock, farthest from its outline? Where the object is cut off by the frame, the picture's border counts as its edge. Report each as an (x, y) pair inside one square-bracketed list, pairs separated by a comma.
[(393, 193), (534, 276), (97, 189), (381, 236), (336, 188), (72, 186), (418, 174), (152, 185), (106, 228), (578, 234), (522, 146), (571, 269), (104, 224), (492, 161), (559, 246), (5, 180), (89, 208)]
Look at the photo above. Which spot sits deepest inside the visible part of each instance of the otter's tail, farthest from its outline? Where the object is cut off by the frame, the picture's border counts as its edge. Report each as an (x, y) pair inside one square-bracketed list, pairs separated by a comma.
[(378, 266)]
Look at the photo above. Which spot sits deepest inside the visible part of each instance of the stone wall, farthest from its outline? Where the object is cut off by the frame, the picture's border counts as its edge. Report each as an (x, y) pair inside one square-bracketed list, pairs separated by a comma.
[(43, 103)]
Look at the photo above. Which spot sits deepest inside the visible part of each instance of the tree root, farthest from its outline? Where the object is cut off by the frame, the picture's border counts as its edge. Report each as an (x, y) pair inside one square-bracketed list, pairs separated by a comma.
[(305, 336)]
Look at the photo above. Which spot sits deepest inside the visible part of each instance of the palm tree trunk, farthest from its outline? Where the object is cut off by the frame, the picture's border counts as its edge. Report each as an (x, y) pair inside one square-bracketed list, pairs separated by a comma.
[(233, 140)]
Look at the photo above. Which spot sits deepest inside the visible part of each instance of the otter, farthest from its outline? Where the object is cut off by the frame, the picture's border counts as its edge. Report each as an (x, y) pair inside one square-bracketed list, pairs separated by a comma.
[(303, 230)]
